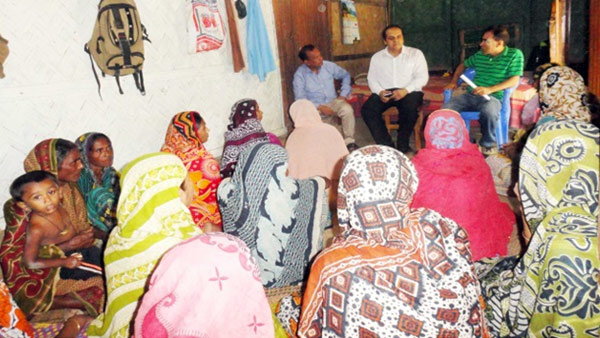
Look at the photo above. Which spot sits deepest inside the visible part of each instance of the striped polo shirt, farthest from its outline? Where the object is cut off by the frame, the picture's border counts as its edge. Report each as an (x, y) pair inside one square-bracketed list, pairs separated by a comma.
[(490, 70)]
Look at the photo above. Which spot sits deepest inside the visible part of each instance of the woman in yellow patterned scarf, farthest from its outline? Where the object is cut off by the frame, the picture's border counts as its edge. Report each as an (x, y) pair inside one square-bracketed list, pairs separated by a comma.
[(552, 291), (152, 219)]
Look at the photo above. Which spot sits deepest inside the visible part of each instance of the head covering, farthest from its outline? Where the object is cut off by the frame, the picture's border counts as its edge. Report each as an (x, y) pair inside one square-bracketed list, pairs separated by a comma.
[(280, 219), (101, 196), (563, 95), (315, 148), (554, 288), (457, 182), (243, 132), (218, 296), (182, 140), (43, 157), (395, 271), (152, 219)]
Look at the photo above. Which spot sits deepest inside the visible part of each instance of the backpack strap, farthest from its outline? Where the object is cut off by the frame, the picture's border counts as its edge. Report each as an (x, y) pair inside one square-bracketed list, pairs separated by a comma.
[(145, 34), (117, 72), (138, 76), (87, 50)]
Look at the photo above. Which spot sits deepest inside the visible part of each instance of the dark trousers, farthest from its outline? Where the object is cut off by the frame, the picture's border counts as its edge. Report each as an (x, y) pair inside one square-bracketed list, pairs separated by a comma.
[(408, 111)]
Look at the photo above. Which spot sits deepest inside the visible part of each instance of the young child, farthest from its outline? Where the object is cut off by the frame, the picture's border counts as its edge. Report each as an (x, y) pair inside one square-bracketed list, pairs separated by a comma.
[(49, 224)]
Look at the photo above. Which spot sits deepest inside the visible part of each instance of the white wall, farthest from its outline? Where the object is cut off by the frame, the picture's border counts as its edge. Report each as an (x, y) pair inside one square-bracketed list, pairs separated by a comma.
[(49, 89)]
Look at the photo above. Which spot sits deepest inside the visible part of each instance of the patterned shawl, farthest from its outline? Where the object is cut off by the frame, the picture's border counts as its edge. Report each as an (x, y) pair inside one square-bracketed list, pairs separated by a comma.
[(563, 95), (182, 140), (152, 219), (218, 296), (395, 271), (243, 132), (315, 148), (43, 157), (100, 196), (280, 219), (12, 320), (457, 182), (553, 290)]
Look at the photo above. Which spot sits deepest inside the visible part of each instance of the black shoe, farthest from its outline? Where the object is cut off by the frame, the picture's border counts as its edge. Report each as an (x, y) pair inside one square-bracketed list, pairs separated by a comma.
[(487, 151), (352, 147)]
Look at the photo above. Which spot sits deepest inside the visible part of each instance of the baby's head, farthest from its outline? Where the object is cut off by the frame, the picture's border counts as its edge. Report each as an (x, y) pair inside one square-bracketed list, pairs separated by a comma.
[(37, 190)]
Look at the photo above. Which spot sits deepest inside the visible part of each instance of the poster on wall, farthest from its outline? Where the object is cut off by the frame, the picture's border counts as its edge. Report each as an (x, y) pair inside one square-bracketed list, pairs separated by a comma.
[(205, 27), (350, 32)]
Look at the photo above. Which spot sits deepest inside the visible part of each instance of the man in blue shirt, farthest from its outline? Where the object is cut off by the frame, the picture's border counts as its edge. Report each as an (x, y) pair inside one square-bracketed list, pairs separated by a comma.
[(314, 81)]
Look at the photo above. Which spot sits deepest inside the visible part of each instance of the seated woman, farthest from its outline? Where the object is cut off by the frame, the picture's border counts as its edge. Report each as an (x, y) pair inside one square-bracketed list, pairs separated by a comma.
[(553, 290), (99, 181), (279, 218), (152, 219), (457, 183), (186, 135), (394, 271), (243, 132), (39, 290), (219, 295), (313, 146)]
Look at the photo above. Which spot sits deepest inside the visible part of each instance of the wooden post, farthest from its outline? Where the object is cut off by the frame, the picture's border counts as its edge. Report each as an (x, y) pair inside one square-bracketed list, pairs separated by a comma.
[(238, 59), (594, 66)]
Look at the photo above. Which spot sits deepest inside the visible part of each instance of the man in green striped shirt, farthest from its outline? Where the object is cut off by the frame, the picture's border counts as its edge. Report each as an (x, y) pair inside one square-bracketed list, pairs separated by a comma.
[(497, 67)]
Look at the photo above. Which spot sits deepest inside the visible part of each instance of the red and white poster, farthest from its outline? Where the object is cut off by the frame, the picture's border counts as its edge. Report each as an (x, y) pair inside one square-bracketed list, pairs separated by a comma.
[(206, 27)]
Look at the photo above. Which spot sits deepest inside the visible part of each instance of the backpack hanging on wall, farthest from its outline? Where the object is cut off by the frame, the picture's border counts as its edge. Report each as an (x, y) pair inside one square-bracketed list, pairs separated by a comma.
[(117, 43)]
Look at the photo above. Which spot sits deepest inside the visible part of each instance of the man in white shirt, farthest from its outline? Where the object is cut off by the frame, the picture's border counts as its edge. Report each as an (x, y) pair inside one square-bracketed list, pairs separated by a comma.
[(396, 76)]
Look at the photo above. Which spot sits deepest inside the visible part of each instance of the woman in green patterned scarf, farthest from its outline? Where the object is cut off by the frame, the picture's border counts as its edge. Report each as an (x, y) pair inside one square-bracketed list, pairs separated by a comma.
[(553, 289), (152, 219), (99, 181)]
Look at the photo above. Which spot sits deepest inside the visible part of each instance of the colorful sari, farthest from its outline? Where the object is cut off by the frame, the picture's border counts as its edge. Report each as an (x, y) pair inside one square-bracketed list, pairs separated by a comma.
[(279, 218), (12, 320), (152, 219), (315, 148), (182, 140), (218, 296), (457, 182), (34, 289), (553, 289), (101, 197), (243, 132), (394, 271)]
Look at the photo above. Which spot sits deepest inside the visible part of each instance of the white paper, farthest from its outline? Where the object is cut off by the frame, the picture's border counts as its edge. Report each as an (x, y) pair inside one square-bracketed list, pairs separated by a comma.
[(472, 85)]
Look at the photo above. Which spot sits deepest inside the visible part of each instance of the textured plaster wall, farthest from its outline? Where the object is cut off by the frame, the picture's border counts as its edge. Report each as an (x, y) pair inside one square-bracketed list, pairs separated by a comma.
[(49, 89)]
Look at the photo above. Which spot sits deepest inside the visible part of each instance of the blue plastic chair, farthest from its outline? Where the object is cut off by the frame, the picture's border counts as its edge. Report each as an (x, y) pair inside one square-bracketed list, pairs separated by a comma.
[(468, 116)]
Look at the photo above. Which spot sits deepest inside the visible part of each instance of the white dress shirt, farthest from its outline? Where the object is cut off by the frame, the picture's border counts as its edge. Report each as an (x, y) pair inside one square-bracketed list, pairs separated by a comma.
[(407, 70)]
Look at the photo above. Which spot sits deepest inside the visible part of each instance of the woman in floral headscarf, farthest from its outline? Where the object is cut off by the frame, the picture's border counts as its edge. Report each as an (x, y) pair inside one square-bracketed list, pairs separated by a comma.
[(185, 138), (152, 219), (553, 290), (457, 183), (563, 95), (243, 132), (394, 271), (99, 181)]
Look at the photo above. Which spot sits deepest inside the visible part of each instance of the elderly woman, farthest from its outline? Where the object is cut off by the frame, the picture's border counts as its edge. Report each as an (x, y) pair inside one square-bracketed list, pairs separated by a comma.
[(279, 218), (185, 138), (152, 219), (243, 132), (39, 290), (394, 271), (219, 295), (553, 288), (457, 183), (99, 181)]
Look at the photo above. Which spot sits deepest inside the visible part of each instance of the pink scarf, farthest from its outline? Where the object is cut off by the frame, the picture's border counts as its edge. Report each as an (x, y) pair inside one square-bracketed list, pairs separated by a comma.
[(220, 295)]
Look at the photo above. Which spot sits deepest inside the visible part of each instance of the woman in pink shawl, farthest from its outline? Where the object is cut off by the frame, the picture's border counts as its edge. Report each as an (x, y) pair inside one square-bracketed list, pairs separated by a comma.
[(220, 295), (457, 182), (315, 148)]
